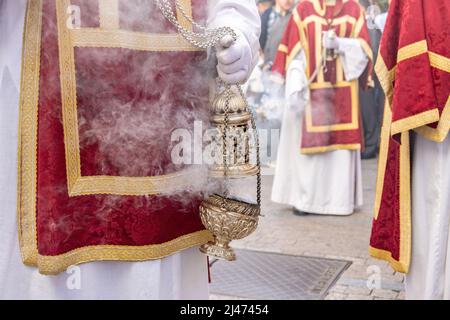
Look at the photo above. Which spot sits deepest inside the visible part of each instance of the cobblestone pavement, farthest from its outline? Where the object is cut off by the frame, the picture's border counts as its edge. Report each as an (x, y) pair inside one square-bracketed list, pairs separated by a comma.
[(345, 238)]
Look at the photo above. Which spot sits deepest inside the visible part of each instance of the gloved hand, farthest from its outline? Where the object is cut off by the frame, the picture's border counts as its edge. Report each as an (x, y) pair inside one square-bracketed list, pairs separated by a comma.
[(329, 42), (234, 59)]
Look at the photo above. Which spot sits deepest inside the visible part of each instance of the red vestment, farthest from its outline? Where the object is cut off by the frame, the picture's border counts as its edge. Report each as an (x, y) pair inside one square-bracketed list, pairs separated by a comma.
[(414, 70), (98, 104), (332, 119)]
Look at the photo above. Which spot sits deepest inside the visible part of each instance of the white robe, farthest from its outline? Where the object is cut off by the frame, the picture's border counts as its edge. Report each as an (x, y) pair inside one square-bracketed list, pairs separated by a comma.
[(327, 183), (429, 276), (181, 276)]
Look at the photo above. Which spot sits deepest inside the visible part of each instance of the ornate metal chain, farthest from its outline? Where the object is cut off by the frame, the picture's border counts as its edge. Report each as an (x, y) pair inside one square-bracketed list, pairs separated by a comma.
[(204, 40), (257, 147), (224, 143), (209, 38)]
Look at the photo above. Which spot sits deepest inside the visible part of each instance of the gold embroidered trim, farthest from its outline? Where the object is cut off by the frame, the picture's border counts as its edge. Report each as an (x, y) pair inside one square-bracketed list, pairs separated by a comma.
[(97, 38), (339, 66), (69, 96), (318, 44), (344, 19), (283, 48), (52, 265), (353, 125), (382, 158), (385, 77), (415, 121), (439, 62), (387, 256), (405, 201), (321, 10), (295, 51), (441, 132), (366, 47), (27, 148), (109, 14), (133, 186), (318, 7), (412, 50), (187, 5), (368, 50), (359, 24), (333, 147), (77, 184), (303, 42)]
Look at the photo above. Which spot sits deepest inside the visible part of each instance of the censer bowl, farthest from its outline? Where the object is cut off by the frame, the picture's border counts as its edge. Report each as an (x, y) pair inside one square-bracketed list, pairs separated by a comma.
[(227, 220)]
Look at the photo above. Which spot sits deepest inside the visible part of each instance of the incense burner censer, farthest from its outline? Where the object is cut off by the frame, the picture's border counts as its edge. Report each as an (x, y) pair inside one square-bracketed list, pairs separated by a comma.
[(226, 218), (238, 136), (230, 219)]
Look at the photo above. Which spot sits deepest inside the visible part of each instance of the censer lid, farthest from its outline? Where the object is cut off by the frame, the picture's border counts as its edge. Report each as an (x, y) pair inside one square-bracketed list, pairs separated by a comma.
[(236, 104), (238, 112)]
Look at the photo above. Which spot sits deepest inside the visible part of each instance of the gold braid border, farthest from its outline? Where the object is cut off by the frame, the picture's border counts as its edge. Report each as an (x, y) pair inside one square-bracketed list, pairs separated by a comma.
[(333, 147), (108, 36), (28, 121), (27, 175), (52, 265), (419, 122), (403, 263)]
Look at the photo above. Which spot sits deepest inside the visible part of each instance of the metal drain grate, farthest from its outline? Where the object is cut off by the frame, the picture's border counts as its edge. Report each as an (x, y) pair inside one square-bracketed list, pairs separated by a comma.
[(271, 276)]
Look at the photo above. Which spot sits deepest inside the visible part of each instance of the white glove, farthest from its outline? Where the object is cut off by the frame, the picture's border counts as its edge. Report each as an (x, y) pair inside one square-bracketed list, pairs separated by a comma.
[(234, 59), (330, 43)]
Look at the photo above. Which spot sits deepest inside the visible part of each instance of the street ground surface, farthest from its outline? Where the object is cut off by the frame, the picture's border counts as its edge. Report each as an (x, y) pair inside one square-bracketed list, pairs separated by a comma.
[(344, 238)]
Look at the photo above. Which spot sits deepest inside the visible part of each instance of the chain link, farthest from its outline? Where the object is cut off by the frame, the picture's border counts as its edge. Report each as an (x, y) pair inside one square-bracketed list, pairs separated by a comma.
[(209, 38), (206, 39), (257, 147), (224, 142)]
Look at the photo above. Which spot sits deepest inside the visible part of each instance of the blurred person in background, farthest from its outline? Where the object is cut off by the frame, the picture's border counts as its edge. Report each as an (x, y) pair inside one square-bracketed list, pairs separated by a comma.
[(265, 96), (324, 56), (275, 32), (271, 16), (263, 5), (372, 100)]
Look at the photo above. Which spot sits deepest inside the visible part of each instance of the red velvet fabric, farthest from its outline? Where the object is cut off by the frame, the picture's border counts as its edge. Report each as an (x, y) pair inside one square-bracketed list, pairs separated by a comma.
[(418, 87), (386, 228), (106, 80), (330, 106)]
